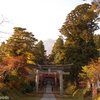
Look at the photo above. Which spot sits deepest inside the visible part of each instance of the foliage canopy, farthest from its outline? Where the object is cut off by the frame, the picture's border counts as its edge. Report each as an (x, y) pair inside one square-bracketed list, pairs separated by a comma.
[(78, 29)]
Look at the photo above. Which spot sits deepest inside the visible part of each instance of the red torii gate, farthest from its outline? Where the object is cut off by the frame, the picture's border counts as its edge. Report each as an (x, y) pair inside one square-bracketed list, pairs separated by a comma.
[(44, 76)]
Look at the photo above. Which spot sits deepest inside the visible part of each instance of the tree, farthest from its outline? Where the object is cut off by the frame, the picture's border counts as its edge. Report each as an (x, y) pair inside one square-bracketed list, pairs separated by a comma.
[(2, 50), (96, 3), (21, 43), (10, 63), (40, 53), (56, 55), (97, 40), (79, 28), (91, 72)]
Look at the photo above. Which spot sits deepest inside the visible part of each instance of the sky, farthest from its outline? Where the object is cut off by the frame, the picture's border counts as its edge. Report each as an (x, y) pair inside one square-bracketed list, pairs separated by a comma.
[(43, 18)]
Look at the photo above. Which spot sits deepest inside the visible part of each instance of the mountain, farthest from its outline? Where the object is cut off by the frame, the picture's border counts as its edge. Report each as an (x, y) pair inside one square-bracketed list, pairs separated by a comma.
[(49, 43)]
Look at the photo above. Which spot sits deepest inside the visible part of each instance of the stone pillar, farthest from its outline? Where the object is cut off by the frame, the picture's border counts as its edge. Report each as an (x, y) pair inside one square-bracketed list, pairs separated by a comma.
[(61, 82), (37, 82)]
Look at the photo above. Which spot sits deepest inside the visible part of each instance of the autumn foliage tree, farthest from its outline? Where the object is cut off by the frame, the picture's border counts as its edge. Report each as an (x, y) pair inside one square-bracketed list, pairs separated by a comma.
[(9, 64), (91, 71)]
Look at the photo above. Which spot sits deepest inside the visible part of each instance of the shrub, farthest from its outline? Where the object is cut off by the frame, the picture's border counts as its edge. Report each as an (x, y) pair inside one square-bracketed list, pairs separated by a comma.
[(32, 83), (4, 92), (88, 93), (17, 86), (26, 88)]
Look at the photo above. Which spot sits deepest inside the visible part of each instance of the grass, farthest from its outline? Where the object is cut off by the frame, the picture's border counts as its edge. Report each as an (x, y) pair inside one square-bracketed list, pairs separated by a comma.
[(14, 94), (71, 93), (76, 95), (27, 97)]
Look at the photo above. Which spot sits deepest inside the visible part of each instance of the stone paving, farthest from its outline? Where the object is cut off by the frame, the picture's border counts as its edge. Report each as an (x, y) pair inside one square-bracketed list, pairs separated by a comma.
[(48, 94)]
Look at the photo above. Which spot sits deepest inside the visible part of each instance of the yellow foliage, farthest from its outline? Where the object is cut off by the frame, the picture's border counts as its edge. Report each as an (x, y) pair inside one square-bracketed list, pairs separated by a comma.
[(94, 7), (91, 71), (30, 55), (28, 69), (90, 14), (30, 62), (85, 17), (8, 55), (14, 72), (97, 98)]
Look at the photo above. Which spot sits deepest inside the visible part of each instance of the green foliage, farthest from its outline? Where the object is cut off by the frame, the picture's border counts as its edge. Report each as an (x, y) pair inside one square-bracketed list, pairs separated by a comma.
[(88, 94), (79, 46), (2, 50), (57, 52), (32, 83), (58, 44), (78, 93), (21, 43), (40, 53), (97, 40), (26, 88), (76, 26)]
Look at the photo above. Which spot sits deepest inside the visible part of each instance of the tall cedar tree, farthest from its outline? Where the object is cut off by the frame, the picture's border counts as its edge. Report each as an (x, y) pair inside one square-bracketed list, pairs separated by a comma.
[(78, 29), (40, 53), (21, 43), (56, 57)]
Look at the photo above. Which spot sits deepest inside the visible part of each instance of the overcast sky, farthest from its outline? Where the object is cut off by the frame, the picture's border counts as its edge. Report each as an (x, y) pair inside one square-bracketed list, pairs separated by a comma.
[(43, 18)]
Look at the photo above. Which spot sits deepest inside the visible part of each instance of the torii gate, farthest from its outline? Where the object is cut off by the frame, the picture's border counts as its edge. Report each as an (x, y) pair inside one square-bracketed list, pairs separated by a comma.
[(58, 71)]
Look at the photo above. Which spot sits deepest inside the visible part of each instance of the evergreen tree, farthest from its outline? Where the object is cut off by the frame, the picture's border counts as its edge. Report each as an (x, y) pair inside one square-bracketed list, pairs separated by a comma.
[(79, 28), (21, 43), (56, 57), (40, 53)]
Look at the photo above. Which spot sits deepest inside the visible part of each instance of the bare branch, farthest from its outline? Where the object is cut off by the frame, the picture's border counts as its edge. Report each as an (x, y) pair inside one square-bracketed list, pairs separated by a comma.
[(4, 20)]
